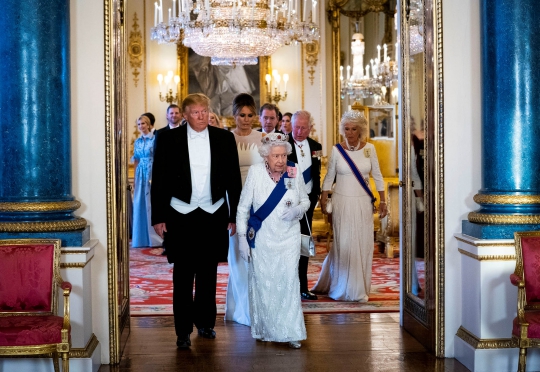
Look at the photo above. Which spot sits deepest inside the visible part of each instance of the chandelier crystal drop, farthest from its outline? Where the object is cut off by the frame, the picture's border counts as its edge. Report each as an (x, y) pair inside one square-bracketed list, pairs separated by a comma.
[(236, 32)]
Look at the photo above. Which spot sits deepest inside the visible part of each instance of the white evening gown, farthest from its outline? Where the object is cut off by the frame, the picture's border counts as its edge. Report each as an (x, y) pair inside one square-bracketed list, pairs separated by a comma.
[(237, 300), (346, 271), (275, 304)]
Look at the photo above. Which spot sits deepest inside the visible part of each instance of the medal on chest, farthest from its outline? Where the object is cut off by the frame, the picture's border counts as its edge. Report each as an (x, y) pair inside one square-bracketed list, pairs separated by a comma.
[(289, 184)]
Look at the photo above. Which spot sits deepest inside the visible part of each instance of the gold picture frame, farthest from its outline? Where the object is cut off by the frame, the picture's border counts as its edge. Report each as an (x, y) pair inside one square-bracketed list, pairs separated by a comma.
[(183, 72)]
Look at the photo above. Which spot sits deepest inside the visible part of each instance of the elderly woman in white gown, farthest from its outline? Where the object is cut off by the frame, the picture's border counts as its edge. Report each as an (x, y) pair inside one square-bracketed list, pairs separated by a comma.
[(346, 271), (272, 203)]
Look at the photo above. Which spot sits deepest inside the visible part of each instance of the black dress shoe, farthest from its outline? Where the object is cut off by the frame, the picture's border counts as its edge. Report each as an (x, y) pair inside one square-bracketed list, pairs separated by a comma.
[(307, 295), (207, 332), (183, 342)]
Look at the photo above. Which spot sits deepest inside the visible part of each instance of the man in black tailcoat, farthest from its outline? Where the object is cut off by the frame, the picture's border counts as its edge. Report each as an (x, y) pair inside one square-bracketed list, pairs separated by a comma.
[(196, 187), (306, 152)]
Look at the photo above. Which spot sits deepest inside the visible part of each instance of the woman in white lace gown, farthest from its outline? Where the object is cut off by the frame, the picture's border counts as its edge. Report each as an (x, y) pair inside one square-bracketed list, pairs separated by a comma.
[(248, 142), (346, 271), (275, 305)]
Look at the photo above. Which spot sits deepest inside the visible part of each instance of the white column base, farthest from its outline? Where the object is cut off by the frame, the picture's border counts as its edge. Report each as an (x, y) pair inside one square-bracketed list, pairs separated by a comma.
[(484, 343), (493, 360)]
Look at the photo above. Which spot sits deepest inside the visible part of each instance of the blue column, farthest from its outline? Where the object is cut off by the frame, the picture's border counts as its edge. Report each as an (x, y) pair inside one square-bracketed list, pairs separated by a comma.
[(510, 195), (35, 143)]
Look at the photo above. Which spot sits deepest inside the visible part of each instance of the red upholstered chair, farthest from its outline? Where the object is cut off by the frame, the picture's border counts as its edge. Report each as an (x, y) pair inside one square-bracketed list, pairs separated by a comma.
[(526, 326), (29, 280)]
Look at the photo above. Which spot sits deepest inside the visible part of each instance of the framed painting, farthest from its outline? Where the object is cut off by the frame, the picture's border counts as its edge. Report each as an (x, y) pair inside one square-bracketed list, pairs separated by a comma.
[(220, 83)]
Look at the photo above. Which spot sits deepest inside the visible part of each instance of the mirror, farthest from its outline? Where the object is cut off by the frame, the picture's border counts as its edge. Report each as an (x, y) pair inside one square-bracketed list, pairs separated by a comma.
[(415, 126), (367, 78), (419, 136)]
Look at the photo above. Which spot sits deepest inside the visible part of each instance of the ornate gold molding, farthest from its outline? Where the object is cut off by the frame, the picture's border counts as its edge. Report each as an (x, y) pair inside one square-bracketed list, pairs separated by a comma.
[(77, 224), (83, 352), (312, 52), (506, 199), (75, 265), (416, 309), (87, 351), (504, 219), (489, 257), (135, 49), (40, 206), (486, 343)]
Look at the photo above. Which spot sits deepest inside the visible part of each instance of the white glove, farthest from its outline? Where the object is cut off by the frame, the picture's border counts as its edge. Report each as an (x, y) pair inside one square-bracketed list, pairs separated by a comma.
[(419, 204), (294, 213), (243, 247)]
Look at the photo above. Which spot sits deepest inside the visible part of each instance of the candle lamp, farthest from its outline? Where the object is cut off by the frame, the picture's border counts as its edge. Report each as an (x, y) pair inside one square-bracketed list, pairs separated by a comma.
[(278, 95), (168, 79)]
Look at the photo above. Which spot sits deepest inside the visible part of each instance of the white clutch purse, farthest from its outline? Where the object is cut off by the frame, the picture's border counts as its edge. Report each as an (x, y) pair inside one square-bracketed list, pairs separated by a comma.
[(329, 205)]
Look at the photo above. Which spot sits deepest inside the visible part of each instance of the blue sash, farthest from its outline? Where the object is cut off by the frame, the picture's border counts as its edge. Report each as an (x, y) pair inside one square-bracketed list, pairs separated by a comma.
[(256, 218), (307, 175), (356, 172)]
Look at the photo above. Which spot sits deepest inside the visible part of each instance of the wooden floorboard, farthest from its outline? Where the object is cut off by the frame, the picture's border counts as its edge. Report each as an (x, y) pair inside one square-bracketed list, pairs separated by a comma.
[(336, 342)]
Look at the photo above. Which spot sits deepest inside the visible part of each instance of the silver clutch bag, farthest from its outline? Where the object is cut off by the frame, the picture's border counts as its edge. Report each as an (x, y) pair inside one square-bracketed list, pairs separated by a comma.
[(307, 247)]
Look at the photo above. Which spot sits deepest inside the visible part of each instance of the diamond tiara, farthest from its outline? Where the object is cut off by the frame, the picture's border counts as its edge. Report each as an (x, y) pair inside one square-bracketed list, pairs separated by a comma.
[(353, 115), (275, 138)]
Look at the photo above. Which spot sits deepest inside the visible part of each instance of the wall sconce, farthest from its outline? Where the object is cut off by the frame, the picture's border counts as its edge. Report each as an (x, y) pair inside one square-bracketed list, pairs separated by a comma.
[(170, 97), (277, 79)]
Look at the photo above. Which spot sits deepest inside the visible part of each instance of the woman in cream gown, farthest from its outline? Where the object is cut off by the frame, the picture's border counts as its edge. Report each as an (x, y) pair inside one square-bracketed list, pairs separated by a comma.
[(346, 271), (248, 142)]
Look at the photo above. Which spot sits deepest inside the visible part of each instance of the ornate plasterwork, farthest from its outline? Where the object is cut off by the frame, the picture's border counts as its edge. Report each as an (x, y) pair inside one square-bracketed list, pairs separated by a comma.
[(312, 53), (135, 49)]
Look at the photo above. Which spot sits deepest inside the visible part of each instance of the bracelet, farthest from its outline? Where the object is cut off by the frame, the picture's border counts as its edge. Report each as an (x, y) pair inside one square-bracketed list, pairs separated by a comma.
[(382, 202)]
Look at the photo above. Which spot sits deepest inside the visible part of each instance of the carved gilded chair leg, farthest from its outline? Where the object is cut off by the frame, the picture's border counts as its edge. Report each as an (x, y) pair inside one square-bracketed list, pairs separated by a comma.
[(65, 362), (522, 359), (55, 357)]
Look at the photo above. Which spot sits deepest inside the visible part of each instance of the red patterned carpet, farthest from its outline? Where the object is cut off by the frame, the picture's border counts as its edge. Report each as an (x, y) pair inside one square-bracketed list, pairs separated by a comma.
[(151, 285)]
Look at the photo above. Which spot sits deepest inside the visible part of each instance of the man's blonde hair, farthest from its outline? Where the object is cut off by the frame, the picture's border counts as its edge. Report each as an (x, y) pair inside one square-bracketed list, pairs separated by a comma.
[(194, 99)]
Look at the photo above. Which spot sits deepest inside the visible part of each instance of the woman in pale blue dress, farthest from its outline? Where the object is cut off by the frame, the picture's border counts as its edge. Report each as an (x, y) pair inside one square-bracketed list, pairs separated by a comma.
[(143, 157), (248, 142)]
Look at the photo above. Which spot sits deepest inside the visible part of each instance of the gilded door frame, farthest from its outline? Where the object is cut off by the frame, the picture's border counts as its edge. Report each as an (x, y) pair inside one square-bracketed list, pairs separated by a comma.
[(425, 319), (432, 312), (116, 164)]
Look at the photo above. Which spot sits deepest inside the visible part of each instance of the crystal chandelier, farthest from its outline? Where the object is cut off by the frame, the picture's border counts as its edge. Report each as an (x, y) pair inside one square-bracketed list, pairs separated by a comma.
[(384, 72), (236, 32)]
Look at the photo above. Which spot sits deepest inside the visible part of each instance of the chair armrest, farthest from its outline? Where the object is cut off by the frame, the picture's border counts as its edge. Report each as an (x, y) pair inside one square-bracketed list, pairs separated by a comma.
[(66, 286), (516, 280)]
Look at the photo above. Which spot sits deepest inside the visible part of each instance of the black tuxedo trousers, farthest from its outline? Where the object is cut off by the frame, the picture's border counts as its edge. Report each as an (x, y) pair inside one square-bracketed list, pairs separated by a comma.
[(195, 241)]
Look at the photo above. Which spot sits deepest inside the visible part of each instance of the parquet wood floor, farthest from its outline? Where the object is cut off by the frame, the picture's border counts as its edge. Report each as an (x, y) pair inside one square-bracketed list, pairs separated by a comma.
[(336, 342)]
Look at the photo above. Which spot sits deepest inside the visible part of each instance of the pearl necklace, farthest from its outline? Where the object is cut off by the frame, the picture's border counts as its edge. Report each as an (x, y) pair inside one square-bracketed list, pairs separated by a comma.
[(352, 148)]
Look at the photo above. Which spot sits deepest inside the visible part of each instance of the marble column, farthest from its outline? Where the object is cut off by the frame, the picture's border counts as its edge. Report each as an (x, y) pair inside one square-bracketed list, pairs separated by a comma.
[(510, 195), (35, 143)]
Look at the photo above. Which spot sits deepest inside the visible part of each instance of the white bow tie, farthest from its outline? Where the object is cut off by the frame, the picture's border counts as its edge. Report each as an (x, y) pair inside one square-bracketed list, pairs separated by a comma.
[(194, 134)]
